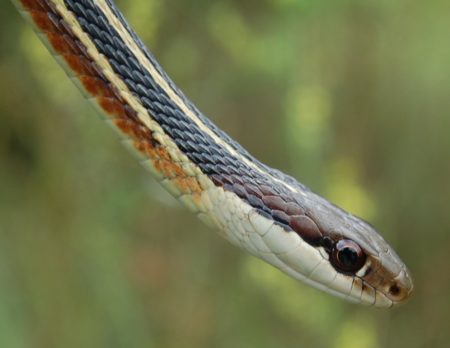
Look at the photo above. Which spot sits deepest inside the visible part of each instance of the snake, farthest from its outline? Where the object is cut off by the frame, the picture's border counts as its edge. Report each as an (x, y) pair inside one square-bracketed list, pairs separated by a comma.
[(257, 208)]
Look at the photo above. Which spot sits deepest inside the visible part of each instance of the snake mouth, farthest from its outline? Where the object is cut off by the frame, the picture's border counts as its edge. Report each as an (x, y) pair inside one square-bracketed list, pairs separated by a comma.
[(391, 280), (388, 291)]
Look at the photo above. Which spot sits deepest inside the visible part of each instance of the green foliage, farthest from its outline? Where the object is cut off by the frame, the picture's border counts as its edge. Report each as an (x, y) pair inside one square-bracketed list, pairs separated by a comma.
[(351, 97)]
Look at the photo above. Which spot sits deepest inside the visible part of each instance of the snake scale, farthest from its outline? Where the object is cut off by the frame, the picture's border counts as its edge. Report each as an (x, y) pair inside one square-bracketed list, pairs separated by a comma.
[(257, 208)]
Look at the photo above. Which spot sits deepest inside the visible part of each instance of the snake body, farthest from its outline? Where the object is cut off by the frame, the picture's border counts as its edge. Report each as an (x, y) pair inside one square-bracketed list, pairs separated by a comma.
[(255, 207)]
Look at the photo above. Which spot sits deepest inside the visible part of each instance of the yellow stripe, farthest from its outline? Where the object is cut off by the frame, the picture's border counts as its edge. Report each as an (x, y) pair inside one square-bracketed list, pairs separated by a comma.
[(161, 81), (142, 113)]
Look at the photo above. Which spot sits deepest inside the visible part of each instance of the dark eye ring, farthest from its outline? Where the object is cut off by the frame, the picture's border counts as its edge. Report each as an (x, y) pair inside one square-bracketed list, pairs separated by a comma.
[(347, 256)]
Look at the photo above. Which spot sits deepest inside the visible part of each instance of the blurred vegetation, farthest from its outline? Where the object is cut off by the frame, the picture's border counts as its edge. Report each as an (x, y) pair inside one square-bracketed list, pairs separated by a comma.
[(350, 96)]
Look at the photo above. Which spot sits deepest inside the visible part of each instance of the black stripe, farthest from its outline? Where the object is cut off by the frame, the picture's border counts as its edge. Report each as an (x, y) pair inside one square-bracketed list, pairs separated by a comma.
[(216, 130), (213, 159)]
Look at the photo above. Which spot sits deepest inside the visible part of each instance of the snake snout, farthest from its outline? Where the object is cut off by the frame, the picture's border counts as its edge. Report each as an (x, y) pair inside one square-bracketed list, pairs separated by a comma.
[(401, 288)]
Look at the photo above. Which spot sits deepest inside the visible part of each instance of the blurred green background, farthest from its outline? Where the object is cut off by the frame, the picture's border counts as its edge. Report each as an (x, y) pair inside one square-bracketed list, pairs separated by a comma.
[(351, 97)]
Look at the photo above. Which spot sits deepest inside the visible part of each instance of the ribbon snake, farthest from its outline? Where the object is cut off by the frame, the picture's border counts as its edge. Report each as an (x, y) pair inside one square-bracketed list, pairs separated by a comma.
[(256, 208)]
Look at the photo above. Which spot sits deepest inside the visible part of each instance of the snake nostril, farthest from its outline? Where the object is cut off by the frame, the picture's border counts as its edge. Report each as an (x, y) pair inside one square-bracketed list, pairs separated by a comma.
[(401, 288), (394, 290)]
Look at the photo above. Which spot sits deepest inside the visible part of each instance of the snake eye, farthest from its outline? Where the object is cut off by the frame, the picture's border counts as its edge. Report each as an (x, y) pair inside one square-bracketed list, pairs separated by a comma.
[(347, 256)]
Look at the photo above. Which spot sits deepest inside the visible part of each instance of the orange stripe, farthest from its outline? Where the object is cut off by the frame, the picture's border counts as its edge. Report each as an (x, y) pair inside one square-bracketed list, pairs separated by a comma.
[(66, 44)]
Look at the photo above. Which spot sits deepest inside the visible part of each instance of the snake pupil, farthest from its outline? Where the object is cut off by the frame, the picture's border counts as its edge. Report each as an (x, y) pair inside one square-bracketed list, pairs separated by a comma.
[(348, 257)]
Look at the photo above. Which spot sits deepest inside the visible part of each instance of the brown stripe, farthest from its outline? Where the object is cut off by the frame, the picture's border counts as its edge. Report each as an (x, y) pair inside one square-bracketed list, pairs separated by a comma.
[(69, 47)]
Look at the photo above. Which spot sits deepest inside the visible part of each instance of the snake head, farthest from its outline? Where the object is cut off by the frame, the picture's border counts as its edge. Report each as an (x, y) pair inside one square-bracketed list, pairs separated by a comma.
[(355, 256), (314, 241)]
